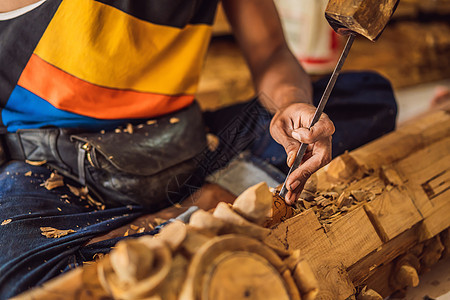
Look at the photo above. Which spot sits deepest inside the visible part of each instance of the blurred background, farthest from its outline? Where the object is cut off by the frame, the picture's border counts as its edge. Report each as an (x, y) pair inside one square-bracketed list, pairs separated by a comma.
[(413, 53)]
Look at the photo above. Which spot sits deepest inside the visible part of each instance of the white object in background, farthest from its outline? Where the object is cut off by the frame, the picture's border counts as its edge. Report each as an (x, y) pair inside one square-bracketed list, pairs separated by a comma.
[(309, 35)]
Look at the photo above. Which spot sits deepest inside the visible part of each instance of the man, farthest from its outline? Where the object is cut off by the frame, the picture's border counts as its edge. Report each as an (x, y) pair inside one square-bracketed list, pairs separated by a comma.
[(95, 65)]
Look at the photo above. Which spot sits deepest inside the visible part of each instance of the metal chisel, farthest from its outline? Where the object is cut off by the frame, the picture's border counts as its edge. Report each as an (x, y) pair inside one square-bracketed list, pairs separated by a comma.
[(323, 101)]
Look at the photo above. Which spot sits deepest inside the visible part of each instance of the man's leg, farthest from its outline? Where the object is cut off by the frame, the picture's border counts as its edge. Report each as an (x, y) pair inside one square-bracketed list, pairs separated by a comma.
[(28, 257)]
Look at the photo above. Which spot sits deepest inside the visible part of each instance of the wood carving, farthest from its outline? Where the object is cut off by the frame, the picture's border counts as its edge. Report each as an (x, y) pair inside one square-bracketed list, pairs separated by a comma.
[(373, 208), (366, 225), (219, 255)]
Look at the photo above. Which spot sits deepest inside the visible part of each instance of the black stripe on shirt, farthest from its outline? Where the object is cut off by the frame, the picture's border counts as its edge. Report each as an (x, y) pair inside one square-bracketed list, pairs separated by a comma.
[(18, 39), (174, 13)]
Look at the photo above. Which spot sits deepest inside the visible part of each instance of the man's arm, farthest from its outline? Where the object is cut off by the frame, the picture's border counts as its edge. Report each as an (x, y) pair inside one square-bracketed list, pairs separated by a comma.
[(285, 85)]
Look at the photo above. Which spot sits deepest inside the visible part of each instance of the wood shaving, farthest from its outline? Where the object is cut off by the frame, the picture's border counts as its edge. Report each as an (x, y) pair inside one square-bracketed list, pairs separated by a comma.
[(117, 130), (6, 222), (102, 132), (151, 122), (212, 142), (130, 128), (141, 230), (177, 205), (126, 232), (36, 163), (59, 209), (331, 195), (140, 126), (174, 120), (29, 173), (79, 192), (98, 256), (94, 202), (51, 232), (359, 195), (134, 227), (55, 180)]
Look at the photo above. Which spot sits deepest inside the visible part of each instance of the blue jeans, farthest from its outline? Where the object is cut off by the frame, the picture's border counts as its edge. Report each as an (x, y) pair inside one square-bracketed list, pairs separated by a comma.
[(362, 107)]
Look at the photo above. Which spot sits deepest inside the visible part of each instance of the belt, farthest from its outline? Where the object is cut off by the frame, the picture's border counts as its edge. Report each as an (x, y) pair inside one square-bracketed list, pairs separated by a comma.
[(48, 144)]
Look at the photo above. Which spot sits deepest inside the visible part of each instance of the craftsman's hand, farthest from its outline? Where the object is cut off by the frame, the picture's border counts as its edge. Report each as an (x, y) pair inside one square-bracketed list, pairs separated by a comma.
[(289, 127)]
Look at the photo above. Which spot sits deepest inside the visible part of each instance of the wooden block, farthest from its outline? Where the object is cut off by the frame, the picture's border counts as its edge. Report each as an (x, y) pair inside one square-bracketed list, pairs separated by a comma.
[(435, 223), (304, 232), (427, 173), (367, 266), (405, 141), (394, 213), (353, 237), (255, 203), (379, 281)]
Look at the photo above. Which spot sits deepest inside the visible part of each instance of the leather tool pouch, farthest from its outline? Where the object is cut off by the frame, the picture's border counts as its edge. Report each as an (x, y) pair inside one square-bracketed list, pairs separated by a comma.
[(124, 167)]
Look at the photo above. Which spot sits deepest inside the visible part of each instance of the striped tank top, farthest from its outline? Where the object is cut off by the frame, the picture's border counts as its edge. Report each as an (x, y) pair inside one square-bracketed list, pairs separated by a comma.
[(98, 64)]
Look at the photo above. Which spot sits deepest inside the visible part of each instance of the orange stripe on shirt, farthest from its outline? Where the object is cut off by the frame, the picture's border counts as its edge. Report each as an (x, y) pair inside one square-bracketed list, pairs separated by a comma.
[(72, 94)]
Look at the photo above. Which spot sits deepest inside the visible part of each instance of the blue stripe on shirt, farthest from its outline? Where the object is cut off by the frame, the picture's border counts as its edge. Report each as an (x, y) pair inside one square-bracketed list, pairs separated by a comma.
[(25, 110)]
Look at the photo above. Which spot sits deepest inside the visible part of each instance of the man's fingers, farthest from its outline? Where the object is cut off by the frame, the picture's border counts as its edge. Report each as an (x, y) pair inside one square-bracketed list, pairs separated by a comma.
[(292, 196), (321, 129), (299, 176)]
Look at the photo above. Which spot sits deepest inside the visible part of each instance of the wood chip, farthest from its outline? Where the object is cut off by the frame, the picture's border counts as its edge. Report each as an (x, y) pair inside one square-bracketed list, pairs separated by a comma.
[(307, 195), (212, 141), (36, 163), (126, 232), (117, 130), (328, 211), (79, 192), (141, 230), (134, 227), (51, 232), (140, 126), (151, 122), (55, 180), (59, 209), (6, 222), (331, 195), (98, 256), (130, 128), (323, 202), (94, 202), (174, 120), (102, 132), (377, 190), (177, 205), (359, 195), (29, 173)]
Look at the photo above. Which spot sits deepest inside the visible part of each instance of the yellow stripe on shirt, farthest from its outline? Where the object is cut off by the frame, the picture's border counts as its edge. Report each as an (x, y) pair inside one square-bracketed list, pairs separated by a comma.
[(107, 47)]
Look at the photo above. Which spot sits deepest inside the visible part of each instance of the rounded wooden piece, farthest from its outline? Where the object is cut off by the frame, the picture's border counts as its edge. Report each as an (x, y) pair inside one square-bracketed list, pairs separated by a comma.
[(212, 252), (173, 234), (243, 275), (119, 289)]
